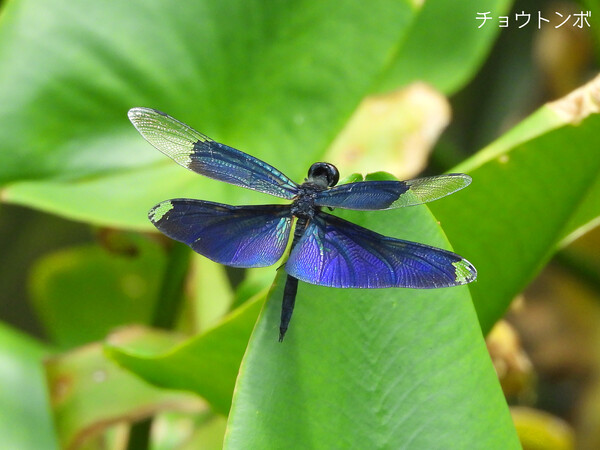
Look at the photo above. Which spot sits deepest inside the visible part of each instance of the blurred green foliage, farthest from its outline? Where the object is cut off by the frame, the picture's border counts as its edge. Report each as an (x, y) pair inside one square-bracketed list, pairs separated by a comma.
[(279, 80)]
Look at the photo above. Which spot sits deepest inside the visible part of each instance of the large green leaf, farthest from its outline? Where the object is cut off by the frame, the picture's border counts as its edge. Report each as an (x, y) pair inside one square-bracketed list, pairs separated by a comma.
[(389, 368), (531, 189), (262, 76), (25, 420), (259, 75)]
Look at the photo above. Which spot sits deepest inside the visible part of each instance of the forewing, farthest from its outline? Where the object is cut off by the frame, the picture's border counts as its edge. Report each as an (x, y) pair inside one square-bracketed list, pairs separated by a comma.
[(238, 236), (202, 155), (334, 252), (375, 195)]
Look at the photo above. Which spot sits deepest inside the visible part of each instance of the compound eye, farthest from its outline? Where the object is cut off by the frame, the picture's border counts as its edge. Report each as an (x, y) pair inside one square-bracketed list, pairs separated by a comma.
[(333, 175), (324, 174)]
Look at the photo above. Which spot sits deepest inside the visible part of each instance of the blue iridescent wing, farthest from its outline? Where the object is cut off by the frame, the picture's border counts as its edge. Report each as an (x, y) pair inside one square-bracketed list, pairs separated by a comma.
[(202, 155), (238, 236), (375, 195), (336, 253)]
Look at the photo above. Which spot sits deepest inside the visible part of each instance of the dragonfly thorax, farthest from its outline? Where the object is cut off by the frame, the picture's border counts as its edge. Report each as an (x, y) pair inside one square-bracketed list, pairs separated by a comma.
[(321, 176), (304, 203)]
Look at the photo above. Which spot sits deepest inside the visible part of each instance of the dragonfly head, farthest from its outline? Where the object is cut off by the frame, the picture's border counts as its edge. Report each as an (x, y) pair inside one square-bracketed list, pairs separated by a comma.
[(323, 174)]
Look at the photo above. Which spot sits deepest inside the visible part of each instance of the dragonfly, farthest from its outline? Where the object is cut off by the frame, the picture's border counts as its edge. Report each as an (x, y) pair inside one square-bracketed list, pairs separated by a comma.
[(326, 250)]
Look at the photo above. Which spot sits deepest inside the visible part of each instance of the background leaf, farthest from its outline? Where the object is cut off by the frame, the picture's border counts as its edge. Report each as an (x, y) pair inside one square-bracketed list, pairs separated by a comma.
[(90, 393), (322, 61), (25, 420), (445, 45), (305, 64), (214, 356), (548, 168), (81, 293)]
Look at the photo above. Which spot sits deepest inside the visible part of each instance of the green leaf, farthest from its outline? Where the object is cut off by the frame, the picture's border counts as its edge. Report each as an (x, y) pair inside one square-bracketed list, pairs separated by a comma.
[(206, 364), (531, 189), (81, 293), (445, 45), (89, 392), (25, 420), (276, 79), (388, 368)]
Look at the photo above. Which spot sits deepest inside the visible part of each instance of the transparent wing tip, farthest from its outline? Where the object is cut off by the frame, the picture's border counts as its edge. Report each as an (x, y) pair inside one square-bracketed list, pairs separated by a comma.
[(466, 179), (464, 272), (139, 112), (134, 113)]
